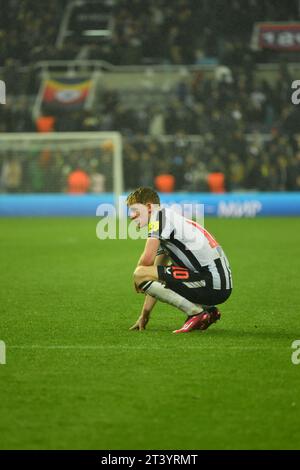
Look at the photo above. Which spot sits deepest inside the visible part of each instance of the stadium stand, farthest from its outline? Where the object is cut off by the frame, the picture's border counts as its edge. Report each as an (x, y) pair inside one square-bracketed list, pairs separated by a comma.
[(244, 124)]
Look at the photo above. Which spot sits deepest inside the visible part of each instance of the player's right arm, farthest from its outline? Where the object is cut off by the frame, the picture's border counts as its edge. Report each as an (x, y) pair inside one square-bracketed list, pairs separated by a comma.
[(150, 301)]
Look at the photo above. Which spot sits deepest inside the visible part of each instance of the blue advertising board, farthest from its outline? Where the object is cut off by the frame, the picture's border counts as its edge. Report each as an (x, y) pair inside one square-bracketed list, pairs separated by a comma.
[(218, 205)]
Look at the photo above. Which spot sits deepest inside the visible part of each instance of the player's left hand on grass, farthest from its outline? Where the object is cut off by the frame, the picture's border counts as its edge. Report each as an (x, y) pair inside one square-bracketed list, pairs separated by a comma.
[(141, 323)]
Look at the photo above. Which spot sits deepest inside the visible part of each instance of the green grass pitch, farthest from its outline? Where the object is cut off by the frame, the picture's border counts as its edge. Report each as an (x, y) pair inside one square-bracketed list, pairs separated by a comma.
[(75, 376)]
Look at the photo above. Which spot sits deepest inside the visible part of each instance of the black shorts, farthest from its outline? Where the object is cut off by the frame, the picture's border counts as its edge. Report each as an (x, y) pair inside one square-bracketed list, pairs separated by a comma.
[(192, 285)]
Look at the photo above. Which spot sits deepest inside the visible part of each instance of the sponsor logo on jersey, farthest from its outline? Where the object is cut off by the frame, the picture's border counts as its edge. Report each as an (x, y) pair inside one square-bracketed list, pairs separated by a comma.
[(153, 226)]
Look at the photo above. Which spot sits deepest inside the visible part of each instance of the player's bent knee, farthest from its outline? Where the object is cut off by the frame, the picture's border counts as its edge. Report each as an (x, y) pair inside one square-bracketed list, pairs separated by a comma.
[(138, 274), (142, 274)]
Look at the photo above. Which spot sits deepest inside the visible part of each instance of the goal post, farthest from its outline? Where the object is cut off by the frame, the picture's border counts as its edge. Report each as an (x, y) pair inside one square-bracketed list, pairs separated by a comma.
[(98, 153)]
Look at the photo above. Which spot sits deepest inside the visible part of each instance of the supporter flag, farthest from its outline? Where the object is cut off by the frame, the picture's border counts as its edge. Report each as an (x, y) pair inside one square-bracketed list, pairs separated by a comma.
[(66, 93), (276, 36)]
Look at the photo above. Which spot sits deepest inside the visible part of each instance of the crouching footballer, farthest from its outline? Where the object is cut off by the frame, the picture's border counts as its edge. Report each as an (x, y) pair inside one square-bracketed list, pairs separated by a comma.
[(182, 264)]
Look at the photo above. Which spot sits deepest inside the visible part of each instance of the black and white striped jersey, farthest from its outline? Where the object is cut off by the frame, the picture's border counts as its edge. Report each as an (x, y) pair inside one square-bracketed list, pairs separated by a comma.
[(191, 246)]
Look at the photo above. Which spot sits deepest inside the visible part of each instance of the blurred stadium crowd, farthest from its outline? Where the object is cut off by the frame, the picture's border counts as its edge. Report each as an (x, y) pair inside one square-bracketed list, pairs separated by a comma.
[(177, 31), (227, 114)]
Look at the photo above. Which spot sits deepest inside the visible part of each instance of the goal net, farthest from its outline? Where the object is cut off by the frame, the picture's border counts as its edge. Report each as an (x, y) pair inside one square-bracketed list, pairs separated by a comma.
[(61, 162)]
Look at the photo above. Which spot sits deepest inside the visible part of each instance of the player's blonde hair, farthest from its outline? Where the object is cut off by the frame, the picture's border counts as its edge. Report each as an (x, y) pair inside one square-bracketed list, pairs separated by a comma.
[(143, 195)]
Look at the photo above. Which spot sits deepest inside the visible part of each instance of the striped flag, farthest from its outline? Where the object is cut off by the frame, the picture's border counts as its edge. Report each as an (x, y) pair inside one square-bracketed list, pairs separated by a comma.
[(67, 93)]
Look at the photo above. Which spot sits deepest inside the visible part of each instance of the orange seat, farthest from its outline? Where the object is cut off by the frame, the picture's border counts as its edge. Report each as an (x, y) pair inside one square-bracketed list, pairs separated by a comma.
[(78, 182), (165, 183), (45, 124), (216, 182)]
